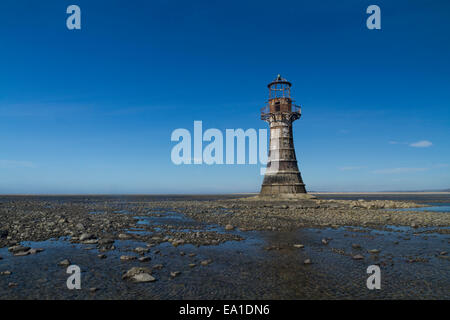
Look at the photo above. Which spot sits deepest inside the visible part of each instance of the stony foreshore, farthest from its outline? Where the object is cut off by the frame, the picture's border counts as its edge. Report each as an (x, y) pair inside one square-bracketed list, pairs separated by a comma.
[(256, 213), (191, 247), (99, 222)]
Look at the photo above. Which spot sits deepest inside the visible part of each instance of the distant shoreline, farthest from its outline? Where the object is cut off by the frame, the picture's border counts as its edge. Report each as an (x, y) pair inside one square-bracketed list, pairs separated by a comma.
[(393, 192), (216, 194)]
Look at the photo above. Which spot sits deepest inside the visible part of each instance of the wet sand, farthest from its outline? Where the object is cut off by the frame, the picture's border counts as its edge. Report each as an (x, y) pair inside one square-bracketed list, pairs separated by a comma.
[(239, 261)]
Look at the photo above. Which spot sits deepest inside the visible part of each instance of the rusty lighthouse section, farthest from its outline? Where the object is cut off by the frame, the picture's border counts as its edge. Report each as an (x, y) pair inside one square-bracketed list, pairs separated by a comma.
[(282, 175)]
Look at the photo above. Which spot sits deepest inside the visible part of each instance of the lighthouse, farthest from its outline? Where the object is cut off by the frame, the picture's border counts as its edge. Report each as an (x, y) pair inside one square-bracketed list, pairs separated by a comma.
[(282, 176)]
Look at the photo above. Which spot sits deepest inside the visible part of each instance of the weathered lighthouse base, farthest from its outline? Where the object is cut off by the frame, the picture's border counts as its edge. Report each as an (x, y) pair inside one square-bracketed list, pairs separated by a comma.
[(283, 182), (281, 196), (276, 189)]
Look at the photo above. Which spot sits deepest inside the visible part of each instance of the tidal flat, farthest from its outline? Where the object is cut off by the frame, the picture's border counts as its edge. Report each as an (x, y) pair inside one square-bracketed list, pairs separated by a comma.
[(225, 246)]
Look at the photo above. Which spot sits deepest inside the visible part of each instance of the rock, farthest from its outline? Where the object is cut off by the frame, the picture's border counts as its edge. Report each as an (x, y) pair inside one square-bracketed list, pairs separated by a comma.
[(307, 261), (136, 270), (62, 220), (325, 241), (12, 284), (358, 257), (192, 265), (356, 246), (34, 251), (21, 253), (127, 258), (229, 227), (443, 253), (124, 236), (79, 226), (299, 246), (5, 273), (206, 262), (141, 250), (105, 241), (102, 256), (443, 257), (192, 254), (64, 263), (139, 274), (143, 277), (413, 225), (158, 266), (144, 259), (91, 241), (92, 290), (18, 248), (175, 273), (86, 236), (373, 251)]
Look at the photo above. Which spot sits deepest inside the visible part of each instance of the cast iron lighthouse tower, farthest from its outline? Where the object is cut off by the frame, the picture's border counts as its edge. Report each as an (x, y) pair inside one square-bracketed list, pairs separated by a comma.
[(282, 175)]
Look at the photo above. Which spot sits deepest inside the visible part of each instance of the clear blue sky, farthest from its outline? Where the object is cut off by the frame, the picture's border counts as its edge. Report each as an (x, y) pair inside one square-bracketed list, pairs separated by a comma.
[(92, 111)]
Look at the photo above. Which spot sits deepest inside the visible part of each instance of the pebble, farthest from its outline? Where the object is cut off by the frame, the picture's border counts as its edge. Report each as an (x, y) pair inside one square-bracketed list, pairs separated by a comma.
[(18, 248), (229, 227), (102, 256), (12, 284), (86, 236), (175, 273), (206, 262), (373, 251), (79, 226), (144, 259), (91, 241), (158, 266), (358, 257), (21, 253), (191, 265), (325, 241), (127, 258), (141, 250), (5, 273), (105, 241), (34, 251), (92, 290), (356, 246), (300, 246), (307, 261), (64, 263)]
